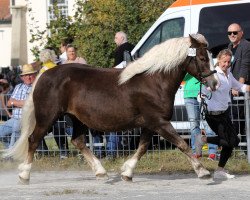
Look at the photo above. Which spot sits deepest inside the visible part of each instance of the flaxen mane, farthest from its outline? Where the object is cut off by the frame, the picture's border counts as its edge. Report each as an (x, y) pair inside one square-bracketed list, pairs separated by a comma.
[(162, 57)]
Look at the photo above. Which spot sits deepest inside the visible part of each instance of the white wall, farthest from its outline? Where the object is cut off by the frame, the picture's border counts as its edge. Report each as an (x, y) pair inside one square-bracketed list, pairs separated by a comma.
[(40, 15), (5, 47)]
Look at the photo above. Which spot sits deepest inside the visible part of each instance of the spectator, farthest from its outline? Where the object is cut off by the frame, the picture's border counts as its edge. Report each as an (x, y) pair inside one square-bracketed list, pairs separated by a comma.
[(241, 71), (71, 52), (63, 56), (11, 128), (191, 91), (218, 115), (48, 58), (122, 46), (4, 96), (97, 139)]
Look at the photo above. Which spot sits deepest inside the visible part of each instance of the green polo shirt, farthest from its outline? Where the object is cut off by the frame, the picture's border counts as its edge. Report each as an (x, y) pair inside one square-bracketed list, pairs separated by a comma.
[(191, 87)]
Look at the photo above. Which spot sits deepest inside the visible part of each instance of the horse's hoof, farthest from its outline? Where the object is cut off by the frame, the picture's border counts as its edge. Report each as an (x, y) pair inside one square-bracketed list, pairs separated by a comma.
[(23, 181), (204, 175), (102, 177), (126, 178)]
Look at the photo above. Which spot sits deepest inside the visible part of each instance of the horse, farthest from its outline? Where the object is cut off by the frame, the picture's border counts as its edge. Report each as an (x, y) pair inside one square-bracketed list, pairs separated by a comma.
[(109, 99)]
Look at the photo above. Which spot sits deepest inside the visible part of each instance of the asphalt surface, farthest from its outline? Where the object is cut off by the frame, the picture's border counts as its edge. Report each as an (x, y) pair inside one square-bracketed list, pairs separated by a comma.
[(60, 185)]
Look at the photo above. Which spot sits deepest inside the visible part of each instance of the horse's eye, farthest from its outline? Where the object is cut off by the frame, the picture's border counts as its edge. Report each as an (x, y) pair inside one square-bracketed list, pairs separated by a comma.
[(203, 58)]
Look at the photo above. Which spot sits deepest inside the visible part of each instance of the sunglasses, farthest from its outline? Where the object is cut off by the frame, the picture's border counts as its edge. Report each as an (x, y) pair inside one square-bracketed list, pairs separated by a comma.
[(233, 32)]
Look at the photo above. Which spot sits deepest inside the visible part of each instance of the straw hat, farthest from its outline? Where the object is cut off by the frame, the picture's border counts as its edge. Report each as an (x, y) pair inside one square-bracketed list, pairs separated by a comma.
[(28, 69)]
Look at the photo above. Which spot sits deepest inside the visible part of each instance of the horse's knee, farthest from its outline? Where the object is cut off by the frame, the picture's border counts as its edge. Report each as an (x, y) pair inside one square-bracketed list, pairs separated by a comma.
[(183, 146), (78, 143)]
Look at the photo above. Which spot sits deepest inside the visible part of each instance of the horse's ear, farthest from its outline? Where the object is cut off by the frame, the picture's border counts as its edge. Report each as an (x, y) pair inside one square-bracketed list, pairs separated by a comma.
[(194, 42)]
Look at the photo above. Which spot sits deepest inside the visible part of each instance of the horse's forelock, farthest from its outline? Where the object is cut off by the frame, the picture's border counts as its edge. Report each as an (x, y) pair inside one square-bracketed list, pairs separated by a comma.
[(162, 57)]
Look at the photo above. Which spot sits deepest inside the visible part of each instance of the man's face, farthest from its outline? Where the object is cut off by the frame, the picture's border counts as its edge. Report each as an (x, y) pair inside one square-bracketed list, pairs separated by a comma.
[(28, 79), (118, 39), (234, 33), (71, 53)]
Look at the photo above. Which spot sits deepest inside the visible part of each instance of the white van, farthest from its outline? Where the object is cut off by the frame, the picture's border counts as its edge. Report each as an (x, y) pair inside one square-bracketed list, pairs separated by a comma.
[(208, 17)]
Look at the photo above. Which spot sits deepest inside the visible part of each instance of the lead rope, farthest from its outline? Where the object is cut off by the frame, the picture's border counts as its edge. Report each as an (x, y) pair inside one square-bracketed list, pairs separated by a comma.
[(203, 104)]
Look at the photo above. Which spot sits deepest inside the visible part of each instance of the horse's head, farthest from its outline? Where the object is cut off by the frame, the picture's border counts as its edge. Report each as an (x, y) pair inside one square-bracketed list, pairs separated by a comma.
[(200, 62)]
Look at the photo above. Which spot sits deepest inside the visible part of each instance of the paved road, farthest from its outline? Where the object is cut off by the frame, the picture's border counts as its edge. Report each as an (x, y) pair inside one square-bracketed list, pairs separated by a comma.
[(60, 185)]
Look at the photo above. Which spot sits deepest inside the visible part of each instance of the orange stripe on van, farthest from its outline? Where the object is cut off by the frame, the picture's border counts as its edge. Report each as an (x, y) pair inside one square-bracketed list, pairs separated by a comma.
[(179, 3)]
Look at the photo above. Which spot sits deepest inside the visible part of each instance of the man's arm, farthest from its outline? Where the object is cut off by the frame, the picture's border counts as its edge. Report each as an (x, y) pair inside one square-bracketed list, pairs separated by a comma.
[(15, 103), (245, 63)]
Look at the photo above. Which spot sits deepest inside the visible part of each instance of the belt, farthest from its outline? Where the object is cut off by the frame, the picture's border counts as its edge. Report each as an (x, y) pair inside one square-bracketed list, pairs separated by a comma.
[(216, 112)]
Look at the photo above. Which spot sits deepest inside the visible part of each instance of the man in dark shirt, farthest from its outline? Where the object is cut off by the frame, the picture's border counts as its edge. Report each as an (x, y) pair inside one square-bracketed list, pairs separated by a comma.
[(241, 71), (241, 54), (122, 46)]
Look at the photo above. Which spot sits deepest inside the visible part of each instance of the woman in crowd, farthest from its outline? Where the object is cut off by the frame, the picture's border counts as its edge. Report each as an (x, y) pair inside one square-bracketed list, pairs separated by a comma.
[(48, 59), (5, 92), (72, 55)]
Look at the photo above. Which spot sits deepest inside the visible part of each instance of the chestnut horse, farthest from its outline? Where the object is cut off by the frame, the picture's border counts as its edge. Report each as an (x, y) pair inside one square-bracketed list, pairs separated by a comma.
[(141, 95)]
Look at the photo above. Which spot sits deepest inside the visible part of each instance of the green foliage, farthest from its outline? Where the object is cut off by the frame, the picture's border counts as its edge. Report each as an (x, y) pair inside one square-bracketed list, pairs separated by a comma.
[(96, 22)]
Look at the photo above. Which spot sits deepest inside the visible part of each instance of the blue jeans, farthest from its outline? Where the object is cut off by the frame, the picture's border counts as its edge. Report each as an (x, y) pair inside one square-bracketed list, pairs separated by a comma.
[(112, 144), (194, 117), (97, 149), (10, 132)]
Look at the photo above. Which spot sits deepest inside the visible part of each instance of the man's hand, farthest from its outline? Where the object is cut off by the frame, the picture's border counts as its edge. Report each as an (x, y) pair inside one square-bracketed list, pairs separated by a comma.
[(235, 93), (248, 88), (242, 80)]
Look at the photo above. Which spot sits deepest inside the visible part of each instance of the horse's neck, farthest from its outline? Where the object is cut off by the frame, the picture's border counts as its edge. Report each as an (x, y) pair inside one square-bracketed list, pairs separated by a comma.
[(174, 78)]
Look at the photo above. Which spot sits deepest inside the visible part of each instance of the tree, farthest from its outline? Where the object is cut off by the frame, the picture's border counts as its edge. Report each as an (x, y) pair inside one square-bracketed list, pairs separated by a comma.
[(96, 21)]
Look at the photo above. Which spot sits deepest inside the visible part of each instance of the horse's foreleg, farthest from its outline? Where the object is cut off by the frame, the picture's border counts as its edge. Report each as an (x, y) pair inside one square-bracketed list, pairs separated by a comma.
[(169, 133), (94, 163), (129, 166)]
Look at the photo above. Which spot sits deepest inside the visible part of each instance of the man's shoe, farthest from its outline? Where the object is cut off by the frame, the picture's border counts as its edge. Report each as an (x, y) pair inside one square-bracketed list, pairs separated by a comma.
[(198, 144), (63, 157), (222, 175)]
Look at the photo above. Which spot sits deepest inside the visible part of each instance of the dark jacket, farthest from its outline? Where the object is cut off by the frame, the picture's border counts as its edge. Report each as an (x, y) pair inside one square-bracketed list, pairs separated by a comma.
[(120, 50), (241, 63)]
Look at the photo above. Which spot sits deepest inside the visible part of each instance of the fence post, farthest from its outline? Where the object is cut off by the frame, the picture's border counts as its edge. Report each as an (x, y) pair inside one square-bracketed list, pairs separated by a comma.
[(91, 146), (247, 106)]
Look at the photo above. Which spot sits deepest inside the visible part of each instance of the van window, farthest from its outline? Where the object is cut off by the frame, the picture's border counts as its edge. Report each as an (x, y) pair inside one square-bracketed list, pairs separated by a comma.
[(214, 22), (166, 30)]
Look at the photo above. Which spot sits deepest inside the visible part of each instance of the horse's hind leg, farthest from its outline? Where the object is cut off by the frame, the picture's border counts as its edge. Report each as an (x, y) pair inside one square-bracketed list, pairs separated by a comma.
[(129, 166), (168, 132), (25, 167), (79, 141)]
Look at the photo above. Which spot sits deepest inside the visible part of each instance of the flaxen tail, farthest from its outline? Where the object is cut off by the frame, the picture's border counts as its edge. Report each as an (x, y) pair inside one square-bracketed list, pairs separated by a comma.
[(28, 121)]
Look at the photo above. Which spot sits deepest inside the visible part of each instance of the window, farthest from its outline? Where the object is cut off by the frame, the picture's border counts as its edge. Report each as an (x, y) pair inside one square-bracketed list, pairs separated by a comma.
[(62, 6), (166, 30), (214, 22)]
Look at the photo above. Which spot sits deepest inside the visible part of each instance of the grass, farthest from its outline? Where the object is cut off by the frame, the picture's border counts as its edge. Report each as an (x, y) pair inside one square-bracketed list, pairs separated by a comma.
[(172, 161)]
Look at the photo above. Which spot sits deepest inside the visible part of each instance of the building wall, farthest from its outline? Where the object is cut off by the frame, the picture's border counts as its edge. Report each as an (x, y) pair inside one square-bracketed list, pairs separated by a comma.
[(41, 15), (37, 18), (5, 47)]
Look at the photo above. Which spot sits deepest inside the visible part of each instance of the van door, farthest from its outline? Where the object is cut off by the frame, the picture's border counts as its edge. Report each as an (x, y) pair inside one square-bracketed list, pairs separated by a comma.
[(167, 26)]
